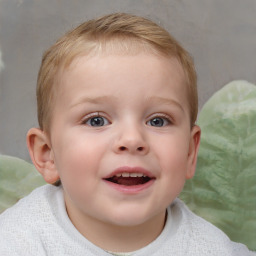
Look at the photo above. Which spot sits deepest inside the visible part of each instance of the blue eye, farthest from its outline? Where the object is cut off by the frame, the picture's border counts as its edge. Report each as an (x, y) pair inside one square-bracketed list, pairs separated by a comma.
[(158, 122), (97, 121)]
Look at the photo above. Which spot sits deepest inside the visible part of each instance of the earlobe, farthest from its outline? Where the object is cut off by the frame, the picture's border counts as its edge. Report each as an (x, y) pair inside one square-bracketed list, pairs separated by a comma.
[(42, 155), (193, 151)]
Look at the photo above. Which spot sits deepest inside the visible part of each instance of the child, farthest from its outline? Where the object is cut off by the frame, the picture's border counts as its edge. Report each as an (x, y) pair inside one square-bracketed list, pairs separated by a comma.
[(117, 105)]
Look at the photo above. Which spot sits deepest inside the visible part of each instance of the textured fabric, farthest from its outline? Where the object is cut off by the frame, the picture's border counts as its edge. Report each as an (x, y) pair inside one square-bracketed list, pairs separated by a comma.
[(121, 253), (39, 225)]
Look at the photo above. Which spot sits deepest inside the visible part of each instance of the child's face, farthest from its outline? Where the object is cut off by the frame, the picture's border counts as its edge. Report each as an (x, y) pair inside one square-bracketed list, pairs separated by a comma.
[(118, 116)]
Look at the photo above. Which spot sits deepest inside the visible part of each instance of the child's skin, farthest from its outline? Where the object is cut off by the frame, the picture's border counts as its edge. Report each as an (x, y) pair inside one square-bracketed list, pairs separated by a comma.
[(119, 114)]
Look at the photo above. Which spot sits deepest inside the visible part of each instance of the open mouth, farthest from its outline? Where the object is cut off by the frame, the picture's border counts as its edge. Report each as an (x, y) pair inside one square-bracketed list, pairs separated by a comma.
[(129, 179)]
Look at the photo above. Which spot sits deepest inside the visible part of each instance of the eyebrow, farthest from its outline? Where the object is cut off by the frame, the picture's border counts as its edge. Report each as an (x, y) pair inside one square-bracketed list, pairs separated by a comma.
[(162, 100), (101, 99), (94, 100)]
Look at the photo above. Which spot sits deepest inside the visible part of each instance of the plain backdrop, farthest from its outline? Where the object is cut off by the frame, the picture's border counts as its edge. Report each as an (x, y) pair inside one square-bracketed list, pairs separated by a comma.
[(220, 35)]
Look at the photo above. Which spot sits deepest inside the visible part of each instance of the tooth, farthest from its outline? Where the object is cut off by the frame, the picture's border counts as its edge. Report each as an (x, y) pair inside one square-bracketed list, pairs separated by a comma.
[(133, 175), (136, 174)]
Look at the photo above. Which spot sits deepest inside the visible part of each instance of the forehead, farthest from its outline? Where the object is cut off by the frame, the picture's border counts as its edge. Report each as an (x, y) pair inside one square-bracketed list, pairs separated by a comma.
[(117, 66), (122, 48), (140, 76), (119, 45)]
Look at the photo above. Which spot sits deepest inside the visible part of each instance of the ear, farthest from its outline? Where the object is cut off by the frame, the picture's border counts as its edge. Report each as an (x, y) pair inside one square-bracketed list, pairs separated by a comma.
[(193, 151), (42, 155)]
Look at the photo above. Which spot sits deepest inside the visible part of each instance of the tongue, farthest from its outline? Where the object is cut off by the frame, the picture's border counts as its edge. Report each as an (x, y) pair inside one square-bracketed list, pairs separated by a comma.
[(130, 181)]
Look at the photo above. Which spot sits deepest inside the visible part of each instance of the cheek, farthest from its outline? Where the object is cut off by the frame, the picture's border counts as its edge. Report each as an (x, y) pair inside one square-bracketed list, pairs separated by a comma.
[(172, 146), (78, 168), (173, 156), (77, 157)]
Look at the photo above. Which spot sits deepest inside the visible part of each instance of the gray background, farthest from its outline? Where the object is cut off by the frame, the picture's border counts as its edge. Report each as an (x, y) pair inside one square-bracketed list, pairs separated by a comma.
[(220, 34)]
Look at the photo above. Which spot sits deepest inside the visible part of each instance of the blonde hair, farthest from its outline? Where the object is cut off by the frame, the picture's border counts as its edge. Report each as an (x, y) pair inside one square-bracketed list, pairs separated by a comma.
[(118, 33)]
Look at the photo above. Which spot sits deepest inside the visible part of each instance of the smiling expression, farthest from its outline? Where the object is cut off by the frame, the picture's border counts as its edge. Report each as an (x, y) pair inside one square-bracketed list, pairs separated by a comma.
[(121, 137)]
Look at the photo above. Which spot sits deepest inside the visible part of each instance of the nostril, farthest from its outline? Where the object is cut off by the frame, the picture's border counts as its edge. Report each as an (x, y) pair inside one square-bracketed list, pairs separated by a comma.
[(131, 149)]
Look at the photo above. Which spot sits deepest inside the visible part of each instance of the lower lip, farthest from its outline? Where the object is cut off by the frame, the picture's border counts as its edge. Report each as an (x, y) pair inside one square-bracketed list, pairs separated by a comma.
[(130, 189)]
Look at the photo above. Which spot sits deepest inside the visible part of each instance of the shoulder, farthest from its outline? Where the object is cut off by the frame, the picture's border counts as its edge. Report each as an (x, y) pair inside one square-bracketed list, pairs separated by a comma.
[(39, 225), (202, 237), (21, 224), (36, 203)]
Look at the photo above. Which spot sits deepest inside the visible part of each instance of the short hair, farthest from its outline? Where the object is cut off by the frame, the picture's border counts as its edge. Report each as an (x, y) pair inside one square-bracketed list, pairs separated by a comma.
[(120, 33)]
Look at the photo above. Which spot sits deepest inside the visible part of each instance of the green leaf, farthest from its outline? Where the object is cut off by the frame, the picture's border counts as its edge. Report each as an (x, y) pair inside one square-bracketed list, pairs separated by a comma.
[(223, 190), (17, 179)]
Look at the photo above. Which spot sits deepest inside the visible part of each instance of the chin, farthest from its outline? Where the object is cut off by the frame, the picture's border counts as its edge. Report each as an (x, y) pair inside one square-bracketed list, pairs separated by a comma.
[(130, 218)]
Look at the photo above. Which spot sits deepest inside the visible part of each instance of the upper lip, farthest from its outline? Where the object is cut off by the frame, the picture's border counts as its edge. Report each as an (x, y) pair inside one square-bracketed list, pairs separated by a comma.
[(130, 170)]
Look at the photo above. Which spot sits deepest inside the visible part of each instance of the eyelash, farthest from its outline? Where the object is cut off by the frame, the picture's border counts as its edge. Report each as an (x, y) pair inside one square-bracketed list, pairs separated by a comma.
[(164, 117), (94, 115)]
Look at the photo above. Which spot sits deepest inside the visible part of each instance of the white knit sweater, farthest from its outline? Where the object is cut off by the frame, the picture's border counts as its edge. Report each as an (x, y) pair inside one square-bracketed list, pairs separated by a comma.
[(39, 225)]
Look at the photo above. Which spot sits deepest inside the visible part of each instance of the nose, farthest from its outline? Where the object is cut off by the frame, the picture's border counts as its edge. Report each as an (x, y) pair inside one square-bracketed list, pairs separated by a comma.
[(131, 140)]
